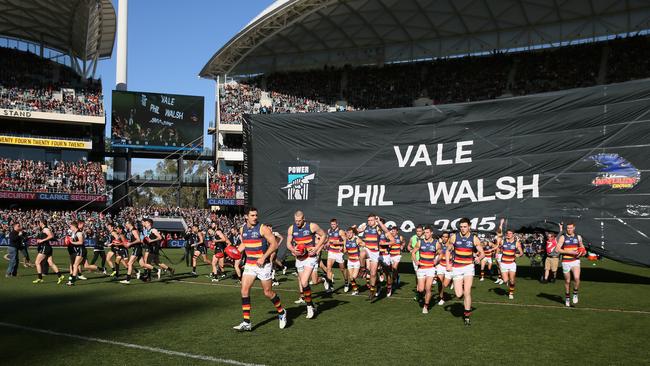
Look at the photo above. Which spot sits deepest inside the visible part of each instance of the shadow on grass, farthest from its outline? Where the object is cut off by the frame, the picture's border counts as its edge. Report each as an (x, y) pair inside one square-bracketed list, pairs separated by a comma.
[(591, 274), (552, 297)]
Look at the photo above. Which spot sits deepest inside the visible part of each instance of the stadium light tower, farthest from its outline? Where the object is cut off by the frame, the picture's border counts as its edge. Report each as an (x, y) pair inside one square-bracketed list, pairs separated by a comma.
[(122, 40)]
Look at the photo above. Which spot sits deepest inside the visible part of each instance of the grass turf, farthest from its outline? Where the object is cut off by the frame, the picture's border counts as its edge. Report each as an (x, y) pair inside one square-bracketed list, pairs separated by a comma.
[(194, 316)]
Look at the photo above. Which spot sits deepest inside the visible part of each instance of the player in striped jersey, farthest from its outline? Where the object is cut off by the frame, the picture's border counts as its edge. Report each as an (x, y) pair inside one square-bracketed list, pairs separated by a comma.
[(386, 241), (569, 246), (462, 244), (444, 276), (510, 251), (310, 236), (258, 242), (426, 272), (371, 236), (396, 248), (489, 249), (353, 247), (335, 254)]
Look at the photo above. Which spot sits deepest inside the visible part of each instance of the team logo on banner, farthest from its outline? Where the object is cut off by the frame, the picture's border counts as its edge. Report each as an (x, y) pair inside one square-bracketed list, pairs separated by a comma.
[(298, 180), (615, 171)]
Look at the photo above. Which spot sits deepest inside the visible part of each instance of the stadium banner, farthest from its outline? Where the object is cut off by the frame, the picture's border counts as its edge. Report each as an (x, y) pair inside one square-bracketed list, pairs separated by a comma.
[(46, 142), (225, 202), (580, 156), (41, 196), (50, 116), (155, 121), (4, 241)]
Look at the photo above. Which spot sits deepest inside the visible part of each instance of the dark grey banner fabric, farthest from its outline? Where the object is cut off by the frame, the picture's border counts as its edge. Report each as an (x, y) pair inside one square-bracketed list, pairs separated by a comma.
[(578, 156)]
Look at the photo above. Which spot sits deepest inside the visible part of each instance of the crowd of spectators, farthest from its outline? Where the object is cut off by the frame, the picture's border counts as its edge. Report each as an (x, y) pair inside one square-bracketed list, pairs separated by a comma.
[(95, 222), (225, 185), (440, 81), (31, 83), (52, 177)]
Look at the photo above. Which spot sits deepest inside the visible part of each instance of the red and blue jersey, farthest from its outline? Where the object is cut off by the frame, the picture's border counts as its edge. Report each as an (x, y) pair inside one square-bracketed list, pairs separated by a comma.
[(427, 253), (571, 243), (384, 244), (443, 253), (352, 248), (335, 240), (396, 247), (463, 250), (303, 235), (371, 238), (508, 251), (255, 245)]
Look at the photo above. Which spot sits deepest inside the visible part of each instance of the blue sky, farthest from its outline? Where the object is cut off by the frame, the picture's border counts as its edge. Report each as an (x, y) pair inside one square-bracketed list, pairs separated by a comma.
[(169, 43)]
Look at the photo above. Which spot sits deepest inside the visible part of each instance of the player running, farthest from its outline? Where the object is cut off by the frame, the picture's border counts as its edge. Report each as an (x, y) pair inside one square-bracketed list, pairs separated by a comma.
[(153, 239), (353, 247), (258, 242), (489, 249), (335, 254), (198, 244), (396, 248), (510, 251), (571, 247), (76, 244), (219, 241), (463, 243), (444, 276), (371, 235), (426, 272), (310, 237), (44, 250), (133, 242)]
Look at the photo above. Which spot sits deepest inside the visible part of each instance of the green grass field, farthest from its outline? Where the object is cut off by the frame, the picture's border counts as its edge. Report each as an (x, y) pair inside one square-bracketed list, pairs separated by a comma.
[(193, 316)]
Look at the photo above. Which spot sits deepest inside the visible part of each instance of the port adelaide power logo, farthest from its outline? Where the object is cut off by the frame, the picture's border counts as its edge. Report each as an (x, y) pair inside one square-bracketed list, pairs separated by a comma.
[(299, 178)]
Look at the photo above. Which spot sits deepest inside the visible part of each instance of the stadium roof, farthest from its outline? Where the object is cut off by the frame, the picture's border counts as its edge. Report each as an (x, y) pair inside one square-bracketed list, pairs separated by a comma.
[(83, 29), (307, 34)]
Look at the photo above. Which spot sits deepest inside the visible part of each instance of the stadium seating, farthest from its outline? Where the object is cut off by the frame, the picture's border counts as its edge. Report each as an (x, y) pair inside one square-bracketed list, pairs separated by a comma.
[(453, 80), (32, 83), (54, 177), (229, 185)]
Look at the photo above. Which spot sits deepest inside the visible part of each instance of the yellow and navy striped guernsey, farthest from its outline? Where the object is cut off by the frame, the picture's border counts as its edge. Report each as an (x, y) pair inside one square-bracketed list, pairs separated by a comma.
[(255, 245), (335, 240), (508, 251), (303, 235), (463, 250), (571, 243), (427, 253), (353, 249), (371, 238)]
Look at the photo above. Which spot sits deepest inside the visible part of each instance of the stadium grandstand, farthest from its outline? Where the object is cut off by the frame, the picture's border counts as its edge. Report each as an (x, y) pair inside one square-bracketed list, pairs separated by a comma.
[(304, 56), (51, 105)]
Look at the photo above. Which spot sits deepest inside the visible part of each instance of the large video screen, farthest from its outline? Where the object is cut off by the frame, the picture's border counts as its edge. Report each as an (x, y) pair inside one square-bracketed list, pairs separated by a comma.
[(155, 121)]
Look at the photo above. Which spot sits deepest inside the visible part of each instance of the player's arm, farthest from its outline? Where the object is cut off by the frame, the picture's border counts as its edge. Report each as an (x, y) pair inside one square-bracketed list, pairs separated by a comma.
[(77, 239), (520, 250), (222, 238), (322, 237), (401, 240), (201, 238), (290, 246), (450, 247), (273, 244), (157, 235), (500, 228), (560, 245), (436, 260), (415, 249), (48, 236), (279, 238), (479, 247), (136, 237)]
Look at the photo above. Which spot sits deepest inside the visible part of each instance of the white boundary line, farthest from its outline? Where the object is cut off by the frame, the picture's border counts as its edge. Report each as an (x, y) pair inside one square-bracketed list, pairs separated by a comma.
[(129, 345), (605, 310)]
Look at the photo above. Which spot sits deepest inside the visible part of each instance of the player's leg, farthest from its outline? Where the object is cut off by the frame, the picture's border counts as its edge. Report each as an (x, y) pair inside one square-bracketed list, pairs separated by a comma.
[(55, 268), (305, 276), (428, 283), (246, 283), (466, 282), (575, 271), (567, 284), (267, 286)]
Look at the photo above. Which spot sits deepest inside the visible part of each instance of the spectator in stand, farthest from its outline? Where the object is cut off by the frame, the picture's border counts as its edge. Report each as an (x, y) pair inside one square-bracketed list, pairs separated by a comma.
[(54, 177), (227, 185), (31, 83)]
